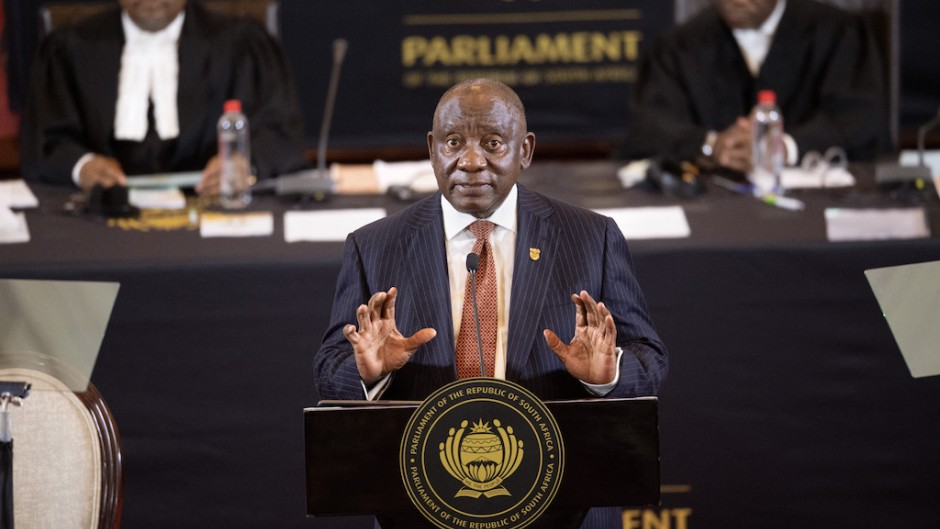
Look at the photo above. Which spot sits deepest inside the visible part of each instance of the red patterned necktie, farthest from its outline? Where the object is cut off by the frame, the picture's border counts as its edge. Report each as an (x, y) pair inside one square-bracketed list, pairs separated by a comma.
[(468, 357)]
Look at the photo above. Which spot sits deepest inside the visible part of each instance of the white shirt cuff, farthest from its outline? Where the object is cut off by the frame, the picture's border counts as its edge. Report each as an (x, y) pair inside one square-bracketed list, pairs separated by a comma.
[(77, 168), (378, 389), (602, 389)]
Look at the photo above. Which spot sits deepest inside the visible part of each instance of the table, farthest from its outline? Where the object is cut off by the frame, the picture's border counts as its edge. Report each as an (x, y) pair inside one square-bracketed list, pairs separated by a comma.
[(787, 404)]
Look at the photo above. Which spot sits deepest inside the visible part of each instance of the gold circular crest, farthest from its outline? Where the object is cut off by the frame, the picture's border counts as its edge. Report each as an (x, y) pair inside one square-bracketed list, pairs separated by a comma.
[(482, 453)]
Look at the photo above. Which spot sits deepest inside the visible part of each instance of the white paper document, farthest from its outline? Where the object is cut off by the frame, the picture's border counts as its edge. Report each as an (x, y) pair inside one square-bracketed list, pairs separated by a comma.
[(798, 178), (650, 223), (188, 179), (16, 194), (875, 224), (909, 296), (327, 225), (260, 224), (13, 226), (169, 198)]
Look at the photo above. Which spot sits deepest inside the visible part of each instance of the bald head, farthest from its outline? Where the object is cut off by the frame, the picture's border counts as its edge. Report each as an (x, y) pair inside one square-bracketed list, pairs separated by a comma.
[(494, 90)]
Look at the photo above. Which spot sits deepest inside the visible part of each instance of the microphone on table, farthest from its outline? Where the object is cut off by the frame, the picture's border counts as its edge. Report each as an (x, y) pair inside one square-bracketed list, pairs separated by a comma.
[(921, 134), (339, 53), (314, 183), (473, 264), (893, 175)]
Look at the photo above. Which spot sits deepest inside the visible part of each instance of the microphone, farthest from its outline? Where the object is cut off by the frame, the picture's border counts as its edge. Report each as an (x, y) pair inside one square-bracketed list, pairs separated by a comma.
[(890, 175), (473, 264), (921, 133), (314, 183), (339, 53)]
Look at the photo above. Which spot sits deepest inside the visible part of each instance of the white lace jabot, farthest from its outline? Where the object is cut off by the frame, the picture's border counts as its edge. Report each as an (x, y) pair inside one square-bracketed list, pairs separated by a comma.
[(149, 71)]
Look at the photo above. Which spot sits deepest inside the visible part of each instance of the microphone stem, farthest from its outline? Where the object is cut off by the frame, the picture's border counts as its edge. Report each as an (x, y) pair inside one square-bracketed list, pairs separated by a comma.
[(476, 320), (338, 55), (922, 133)]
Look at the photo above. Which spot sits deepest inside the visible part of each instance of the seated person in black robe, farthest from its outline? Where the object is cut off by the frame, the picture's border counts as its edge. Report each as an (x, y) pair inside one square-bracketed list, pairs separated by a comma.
[(697, 84), (139, 90)]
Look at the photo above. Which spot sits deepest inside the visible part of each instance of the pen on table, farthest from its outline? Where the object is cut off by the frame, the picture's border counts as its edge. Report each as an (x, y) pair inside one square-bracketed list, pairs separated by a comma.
[(771, 199), (781, 201), (730, 185)]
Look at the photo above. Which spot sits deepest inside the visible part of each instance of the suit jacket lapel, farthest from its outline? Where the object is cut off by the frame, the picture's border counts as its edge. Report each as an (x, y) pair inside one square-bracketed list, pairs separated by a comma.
[(424, 248), (535, 258)]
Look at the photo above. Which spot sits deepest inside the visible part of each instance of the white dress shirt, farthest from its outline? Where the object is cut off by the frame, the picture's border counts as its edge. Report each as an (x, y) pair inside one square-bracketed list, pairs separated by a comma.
[(503, 242), (755, 43), (459, 243), (149, 72)]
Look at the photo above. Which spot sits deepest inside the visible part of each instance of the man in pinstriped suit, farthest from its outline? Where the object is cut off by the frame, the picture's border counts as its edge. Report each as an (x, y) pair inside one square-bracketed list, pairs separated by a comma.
[(400, 291)]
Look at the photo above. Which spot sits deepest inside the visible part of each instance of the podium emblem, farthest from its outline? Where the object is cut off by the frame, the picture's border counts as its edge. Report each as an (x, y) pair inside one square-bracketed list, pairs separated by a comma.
[(481, 452), (481, 459)]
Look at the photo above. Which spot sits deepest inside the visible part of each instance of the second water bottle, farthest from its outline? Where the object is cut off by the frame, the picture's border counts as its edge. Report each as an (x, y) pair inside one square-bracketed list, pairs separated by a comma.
[(234, 156)]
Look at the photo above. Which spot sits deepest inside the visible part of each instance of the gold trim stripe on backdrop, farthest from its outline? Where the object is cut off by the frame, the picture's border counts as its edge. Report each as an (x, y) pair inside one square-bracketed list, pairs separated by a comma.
[(675, 489), (522, 18)]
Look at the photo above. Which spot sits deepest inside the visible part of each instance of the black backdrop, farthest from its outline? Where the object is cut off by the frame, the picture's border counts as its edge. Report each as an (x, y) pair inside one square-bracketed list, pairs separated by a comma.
[(572, 63), (374, 109)]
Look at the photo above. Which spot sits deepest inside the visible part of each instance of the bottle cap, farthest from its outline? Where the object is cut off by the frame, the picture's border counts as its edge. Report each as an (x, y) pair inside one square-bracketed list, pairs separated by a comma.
[(232, 105), (767, 97)]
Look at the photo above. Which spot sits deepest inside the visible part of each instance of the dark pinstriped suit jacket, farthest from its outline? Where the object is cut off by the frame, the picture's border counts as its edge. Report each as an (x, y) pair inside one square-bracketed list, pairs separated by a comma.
[(580, 250)]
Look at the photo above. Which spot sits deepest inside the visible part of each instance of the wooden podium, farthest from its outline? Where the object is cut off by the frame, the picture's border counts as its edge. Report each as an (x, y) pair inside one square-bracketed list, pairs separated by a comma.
[(352, 454)]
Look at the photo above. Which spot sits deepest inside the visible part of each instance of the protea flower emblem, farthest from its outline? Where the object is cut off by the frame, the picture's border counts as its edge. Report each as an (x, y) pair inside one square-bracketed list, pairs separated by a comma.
[(481, 459)]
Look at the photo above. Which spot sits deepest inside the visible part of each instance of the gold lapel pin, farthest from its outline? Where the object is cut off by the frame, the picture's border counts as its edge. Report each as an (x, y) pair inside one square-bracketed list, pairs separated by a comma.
[(534, 254)]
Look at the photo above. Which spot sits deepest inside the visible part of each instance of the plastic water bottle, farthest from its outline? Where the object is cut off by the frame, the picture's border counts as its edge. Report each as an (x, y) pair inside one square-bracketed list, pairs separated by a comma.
[(768, 149), (235, 156)]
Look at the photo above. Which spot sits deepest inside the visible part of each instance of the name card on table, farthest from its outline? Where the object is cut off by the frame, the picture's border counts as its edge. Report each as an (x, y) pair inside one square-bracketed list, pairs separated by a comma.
[(875, 224), (650, 223), (327, 225), (258, 224)]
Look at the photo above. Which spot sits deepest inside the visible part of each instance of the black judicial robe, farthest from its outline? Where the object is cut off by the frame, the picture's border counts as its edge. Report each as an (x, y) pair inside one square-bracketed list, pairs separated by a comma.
[(823, 64), (74, 83)]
